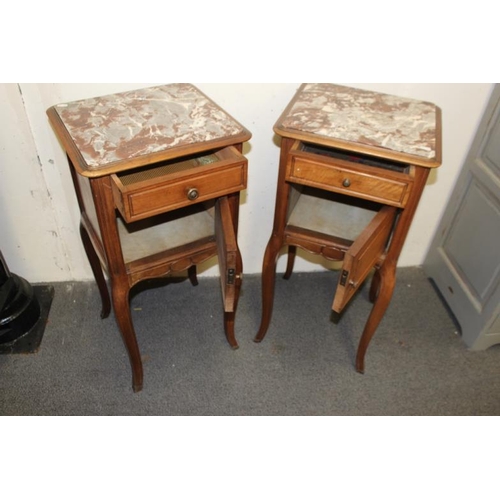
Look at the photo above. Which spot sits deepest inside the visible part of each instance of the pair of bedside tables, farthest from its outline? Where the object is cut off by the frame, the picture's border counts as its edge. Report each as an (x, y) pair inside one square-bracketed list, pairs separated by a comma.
[(158, 174)]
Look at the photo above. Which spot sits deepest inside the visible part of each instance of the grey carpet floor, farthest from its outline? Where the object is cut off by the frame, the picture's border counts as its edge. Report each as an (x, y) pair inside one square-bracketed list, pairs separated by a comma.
[(417, 363)]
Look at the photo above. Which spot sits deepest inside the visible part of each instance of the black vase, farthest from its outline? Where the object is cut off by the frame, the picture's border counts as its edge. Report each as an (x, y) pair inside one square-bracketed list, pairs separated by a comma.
[(19, 306)]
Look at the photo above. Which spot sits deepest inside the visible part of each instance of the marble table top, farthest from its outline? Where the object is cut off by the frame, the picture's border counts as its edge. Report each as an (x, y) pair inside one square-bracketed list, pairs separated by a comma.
[(128, 126), (365, 121)]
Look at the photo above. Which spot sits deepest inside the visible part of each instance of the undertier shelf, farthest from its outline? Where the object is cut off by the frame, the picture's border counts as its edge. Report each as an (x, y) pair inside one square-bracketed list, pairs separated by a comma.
[(178, 228), (331, 217)]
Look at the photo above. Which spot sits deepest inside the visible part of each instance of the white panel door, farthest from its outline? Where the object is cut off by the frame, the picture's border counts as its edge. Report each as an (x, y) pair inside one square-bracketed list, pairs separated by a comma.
[(464, 259)]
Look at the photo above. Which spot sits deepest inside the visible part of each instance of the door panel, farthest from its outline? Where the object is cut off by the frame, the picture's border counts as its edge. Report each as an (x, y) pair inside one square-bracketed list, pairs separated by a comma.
[(364, 253), (491, 149), (230, 263), (476, 224), (464, 259)]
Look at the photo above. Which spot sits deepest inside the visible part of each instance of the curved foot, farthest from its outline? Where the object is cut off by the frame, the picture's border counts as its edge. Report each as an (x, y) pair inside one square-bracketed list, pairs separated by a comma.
[(193, 278), (268, 285), (387, 278), (292, 253), (105, 313), (229, 318), (360, 366), (124, 320)]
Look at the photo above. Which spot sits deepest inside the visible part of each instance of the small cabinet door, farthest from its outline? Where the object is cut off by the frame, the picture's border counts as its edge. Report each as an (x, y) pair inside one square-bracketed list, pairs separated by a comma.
[(230, 263), (362, 256)]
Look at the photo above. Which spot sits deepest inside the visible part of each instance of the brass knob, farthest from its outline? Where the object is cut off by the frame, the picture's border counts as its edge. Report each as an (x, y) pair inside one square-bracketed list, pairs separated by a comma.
[(346, 183), (193, 194)]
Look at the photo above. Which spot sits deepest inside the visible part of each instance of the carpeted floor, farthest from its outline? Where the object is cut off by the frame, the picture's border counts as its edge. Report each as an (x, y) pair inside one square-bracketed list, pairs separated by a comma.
[(416, 364)]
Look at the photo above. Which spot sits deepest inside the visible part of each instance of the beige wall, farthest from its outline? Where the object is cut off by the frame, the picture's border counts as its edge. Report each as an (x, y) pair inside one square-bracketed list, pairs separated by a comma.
[(39, 216)]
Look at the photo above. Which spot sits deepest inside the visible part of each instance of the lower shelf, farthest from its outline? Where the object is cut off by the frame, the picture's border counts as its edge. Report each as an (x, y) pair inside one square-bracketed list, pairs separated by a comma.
[(140, 240), (331, 215)]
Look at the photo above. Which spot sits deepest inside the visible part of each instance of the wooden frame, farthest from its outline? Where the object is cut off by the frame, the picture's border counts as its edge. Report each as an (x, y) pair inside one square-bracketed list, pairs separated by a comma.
[(177, 194), (396, 190)]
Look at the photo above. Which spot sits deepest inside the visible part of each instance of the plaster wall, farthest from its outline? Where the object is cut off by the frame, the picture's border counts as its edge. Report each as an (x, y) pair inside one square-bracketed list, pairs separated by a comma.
[(39, 218)]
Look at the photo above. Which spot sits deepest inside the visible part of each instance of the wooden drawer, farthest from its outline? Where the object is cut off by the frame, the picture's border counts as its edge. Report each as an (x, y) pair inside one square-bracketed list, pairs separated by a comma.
[(163, 187), (348, 175)]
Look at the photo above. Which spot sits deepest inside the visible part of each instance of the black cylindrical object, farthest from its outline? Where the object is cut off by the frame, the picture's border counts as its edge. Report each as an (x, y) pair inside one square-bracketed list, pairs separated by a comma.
[(19, 306)]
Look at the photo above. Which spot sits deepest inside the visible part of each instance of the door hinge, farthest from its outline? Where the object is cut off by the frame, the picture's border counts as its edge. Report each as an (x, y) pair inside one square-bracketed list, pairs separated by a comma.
[(231, 276), (343, 278)]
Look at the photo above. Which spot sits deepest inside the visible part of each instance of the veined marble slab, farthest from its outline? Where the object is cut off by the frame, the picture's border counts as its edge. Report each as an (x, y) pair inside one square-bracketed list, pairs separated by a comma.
[(368, 118), (131, 124)]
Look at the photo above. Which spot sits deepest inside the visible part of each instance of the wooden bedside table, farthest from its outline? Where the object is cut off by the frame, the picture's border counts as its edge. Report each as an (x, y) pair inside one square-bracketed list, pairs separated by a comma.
[(158, 174), (353, 167)]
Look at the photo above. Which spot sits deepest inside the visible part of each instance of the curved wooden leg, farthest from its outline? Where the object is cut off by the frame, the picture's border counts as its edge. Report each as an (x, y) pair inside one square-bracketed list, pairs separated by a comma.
[(124, 320), (375, 286), (292, 253), (268, 284), (276, 241), (95, 264), (229, 320), (193, 278), (387, 278)]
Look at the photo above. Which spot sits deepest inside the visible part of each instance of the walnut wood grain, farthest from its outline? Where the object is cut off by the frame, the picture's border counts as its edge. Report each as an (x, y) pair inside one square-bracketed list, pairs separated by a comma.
[(350, 179), (362, 256), (151, 198), (140, 153), (384, 166)]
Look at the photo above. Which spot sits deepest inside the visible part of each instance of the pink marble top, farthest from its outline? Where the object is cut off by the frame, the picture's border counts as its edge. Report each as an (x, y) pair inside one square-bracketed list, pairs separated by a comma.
[(361, 117), (129, 125)]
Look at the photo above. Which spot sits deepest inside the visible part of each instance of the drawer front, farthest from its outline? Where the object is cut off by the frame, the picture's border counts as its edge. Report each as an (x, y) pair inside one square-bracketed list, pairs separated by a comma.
[(169, 195), (350, 182)]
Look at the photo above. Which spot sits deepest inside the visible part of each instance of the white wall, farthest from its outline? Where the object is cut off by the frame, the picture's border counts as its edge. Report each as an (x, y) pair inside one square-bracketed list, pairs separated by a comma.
[(38, 212)]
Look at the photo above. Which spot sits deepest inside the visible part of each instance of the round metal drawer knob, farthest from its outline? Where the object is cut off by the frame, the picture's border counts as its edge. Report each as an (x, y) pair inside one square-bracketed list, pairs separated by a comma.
[(346, 183), (193, 194)]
